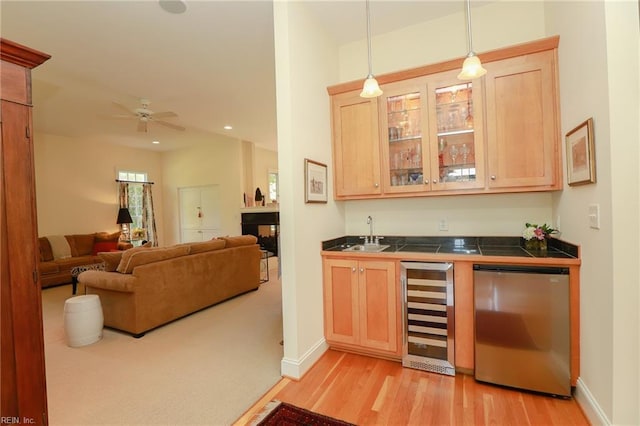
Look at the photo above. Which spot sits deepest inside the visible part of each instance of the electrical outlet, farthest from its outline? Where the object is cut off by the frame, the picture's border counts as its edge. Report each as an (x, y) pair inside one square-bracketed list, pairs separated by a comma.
[(594, 216), (443, 225)]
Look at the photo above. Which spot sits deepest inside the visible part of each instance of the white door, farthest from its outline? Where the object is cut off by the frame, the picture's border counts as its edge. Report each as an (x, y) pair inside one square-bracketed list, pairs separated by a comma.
[(199, 212)]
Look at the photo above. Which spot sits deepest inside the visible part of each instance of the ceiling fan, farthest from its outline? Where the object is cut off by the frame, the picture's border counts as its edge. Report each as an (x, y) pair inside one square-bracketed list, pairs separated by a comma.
[(145, 116)]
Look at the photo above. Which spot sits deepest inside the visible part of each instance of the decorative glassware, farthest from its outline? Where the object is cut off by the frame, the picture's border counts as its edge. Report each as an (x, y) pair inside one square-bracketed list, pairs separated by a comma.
[(453, 152)]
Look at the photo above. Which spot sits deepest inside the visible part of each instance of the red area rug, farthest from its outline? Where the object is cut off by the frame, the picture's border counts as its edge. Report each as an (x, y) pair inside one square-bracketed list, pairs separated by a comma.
[(289, 415)]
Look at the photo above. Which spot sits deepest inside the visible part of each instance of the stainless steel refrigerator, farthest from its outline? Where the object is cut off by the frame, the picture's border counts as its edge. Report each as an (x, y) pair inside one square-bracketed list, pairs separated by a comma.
[(522, 330)]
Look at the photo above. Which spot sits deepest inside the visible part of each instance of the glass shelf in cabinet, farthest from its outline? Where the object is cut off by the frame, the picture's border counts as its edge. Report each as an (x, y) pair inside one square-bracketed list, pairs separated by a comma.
[(455, 132), (406, 138)]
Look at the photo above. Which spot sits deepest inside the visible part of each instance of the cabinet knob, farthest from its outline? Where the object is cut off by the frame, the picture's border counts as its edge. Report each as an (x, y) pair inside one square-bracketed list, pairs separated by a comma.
[(376, 185), (361, 270), (353, 269), (493, 177), (426, 181)]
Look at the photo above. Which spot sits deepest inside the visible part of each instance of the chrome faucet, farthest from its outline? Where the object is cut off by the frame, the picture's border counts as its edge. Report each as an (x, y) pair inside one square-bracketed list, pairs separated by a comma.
[(370, 223)]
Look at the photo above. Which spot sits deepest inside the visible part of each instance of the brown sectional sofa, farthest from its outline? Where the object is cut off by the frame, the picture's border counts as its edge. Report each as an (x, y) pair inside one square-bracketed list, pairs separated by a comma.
[(144, 288), (55, 265)]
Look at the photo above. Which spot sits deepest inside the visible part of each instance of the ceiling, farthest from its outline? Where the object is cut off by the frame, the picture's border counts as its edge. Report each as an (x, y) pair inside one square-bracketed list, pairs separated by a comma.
[(212, 65)]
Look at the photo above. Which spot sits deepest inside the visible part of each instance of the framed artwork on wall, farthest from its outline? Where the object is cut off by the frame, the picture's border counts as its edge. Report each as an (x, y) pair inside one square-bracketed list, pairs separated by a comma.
[(581, 162), (315, 178)]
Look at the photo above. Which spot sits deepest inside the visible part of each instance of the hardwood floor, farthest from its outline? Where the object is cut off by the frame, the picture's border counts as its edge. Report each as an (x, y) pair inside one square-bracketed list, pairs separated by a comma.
[(370, 391)]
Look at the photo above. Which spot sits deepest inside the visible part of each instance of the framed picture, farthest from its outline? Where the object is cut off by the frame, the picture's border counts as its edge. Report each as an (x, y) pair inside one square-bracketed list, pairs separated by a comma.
[(315, 179), (581, 163)]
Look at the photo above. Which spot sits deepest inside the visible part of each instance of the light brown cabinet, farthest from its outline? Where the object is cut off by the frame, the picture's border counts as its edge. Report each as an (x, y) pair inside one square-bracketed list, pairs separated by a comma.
[(522, 120), (356, 145), (361, 305), (439, 135), (22, 369)]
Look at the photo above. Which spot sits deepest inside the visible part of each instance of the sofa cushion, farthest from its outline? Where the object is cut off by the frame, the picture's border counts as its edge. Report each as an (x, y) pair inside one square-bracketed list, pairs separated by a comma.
[(46, 254), (141, 256), (204, 246), (107, 236), (102, 246), (240, 240), (59, 246), (111, 259), (81, 244)]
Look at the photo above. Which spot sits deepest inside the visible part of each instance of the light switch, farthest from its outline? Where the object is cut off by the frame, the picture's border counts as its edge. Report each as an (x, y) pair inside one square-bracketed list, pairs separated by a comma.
[(443, 225), (594, 216)]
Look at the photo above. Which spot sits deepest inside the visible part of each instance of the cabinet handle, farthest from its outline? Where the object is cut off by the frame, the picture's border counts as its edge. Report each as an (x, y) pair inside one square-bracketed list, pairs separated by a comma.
[(376, 185), (353, 269), (403, 289), (361, 270), (493, 177), (426, 181)]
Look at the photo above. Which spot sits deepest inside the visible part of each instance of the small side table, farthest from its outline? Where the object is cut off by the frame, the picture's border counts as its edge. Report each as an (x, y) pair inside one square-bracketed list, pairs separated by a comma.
[(76, 270), (264, 266)]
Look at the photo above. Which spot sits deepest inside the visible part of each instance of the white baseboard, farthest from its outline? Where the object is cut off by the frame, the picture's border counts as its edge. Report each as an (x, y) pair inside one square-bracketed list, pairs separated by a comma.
[(589, 405), (295, 368)]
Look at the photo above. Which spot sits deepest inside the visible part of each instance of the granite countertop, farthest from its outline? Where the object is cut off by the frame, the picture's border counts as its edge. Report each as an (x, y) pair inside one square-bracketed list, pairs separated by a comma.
[(478, 246)]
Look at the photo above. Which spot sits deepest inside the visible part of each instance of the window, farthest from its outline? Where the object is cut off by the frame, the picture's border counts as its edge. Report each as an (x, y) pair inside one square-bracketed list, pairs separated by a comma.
[(135, 195), (273, 185)]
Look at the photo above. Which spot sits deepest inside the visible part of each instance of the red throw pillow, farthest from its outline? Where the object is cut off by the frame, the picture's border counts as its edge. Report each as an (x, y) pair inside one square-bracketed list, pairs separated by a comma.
[(102, 246)]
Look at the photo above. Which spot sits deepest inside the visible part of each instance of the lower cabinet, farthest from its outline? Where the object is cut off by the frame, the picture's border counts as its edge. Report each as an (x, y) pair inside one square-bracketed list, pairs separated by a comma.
[(361, 305)]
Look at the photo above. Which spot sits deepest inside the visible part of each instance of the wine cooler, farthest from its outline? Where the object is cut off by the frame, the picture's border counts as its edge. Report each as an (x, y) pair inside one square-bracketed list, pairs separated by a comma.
[(428, 317)]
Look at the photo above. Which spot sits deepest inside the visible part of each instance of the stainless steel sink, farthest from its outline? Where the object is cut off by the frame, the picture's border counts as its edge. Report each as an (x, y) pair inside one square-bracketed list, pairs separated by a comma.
[(367, 248)]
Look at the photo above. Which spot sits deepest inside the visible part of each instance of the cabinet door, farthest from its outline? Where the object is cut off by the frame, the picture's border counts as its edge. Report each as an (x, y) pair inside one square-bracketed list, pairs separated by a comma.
[(456, 132), (356, 145), (405, 148), (340, 280), (378, 305), (522, 122)]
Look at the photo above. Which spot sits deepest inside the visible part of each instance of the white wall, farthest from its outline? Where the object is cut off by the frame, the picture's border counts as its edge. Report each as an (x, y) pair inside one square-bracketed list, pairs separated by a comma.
[(264, 160), (76, 192), (599, 74), (495, 25), (305, 66), (216, 160)]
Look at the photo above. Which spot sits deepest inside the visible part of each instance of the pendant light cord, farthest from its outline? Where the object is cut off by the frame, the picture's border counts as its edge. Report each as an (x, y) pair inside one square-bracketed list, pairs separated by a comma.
[(369, 37), (469, 26)]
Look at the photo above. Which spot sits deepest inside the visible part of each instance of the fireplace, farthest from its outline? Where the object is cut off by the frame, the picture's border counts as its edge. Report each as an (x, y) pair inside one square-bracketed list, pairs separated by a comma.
[(265, 226)]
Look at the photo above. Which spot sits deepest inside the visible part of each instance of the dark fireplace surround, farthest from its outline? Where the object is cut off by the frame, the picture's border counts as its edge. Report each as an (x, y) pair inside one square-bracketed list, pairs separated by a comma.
[(265, 226)]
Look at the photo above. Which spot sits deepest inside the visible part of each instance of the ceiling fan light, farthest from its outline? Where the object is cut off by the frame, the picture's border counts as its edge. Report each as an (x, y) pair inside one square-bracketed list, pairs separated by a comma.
[(370, 89), (471, 68)]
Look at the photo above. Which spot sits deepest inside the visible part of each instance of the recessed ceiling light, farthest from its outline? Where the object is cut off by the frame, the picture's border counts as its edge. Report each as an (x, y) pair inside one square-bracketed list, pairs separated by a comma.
[(227, 127), (173, 6), (156, 142)]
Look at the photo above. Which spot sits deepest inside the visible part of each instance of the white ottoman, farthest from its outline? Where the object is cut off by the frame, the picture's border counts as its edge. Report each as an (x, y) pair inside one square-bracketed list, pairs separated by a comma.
[(83, 320)]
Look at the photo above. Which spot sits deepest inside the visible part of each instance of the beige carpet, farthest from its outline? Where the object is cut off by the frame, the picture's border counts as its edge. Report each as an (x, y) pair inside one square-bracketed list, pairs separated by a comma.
[(205, 369)]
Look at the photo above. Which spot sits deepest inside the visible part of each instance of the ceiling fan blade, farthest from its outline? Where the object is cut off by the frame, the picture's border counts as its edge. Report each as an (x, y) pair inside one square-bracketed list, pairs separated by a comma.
[(173, 126), (117, 117), (165, 114), (142, 126), (124, 108)]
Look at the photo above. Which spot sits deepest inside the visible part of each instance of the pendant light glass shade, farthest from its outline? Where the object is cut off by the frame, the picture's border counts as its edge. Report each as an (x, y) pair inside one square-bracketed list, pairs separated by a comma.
[(370, 89), (471, 67)]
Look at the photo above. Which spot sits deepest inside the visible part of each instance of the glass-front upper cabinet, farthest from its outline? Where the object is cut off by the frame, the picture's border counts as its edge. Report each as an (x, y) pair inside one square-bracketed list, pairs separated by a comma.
[(456, 132), (403, 116)]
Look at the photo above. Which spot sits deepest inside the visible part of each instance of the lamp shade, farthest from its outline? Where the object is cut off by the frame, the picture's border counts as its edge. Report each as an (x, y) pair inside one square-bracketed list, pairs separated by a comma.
[(471, 68), (370, 88), (124, 216)]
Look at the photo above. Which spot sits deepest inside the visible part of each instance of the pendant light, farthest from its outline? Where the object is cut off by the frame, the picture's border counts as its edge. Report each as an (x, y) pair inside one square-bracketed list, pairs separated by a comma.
[(471, 68), (370, 89)]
